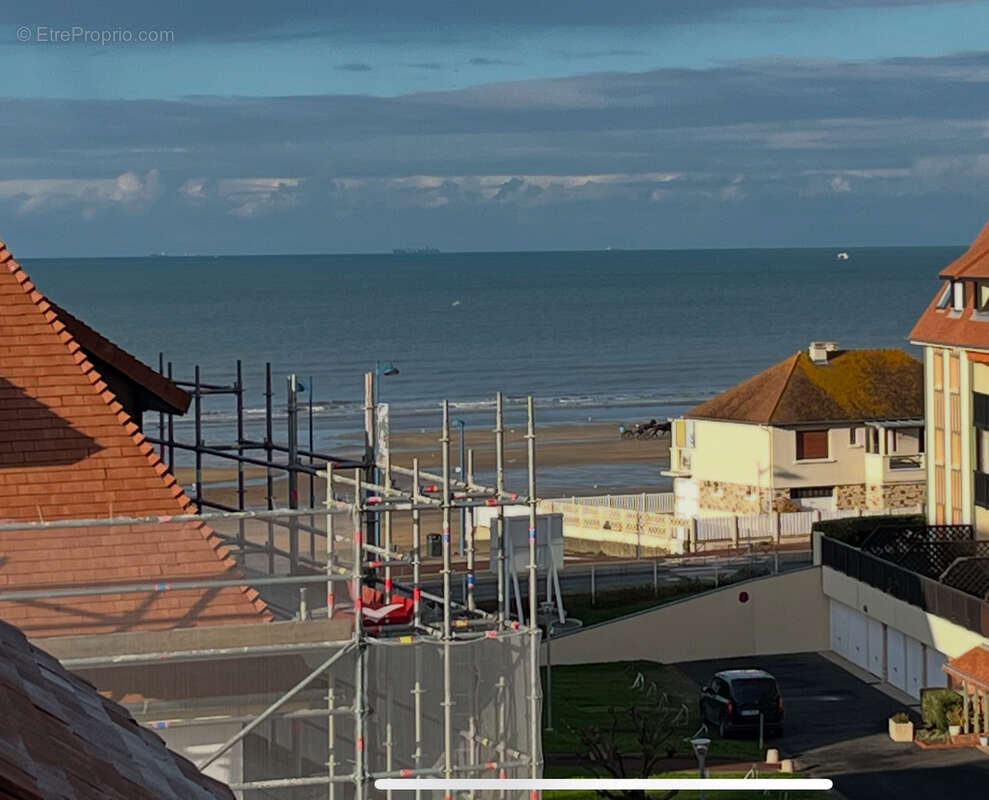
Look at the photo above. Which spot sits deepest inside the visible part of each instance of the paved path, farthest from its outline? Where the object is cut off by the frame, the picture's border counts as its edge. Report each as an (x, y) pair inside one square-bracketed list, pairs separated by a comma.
[(837, 726)]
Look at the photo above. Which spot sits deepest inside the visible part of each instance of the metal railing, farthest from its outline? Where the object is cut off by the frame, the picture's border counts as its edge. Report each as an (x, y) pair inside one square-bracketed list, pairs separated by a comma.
[(936, 598)]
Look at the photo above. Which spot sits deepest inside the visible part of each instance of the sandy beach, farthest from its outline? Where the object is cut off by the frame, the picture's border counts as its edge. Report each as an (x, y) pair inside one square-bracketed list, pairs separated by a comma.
[(561, 451)]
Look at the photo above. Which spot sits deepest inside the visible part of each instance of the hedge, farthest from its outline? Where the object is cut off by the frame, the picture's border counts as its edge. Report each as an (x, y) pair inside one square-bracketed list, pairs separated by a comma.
[(934, 705), (855, 530)]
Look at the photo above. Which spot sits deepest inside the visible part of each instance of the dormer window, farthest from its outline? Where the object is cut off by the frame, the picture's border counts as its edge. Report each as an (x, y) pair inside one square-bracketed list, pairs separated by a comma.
[(982, 298), (957, 295), (945, 298)]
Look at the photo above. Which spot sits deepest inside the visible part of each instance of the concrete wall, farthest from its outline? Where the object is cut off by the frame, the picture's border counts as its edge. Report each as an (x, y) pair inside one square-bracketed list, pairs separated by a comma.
[(730, 452), (784, 614), (936, 632)]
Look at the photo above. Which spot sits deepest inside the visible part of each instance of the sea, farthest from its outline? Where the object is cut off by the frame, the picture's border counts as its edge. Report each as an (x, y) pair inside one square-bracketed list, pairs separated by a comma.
[(616, 336)]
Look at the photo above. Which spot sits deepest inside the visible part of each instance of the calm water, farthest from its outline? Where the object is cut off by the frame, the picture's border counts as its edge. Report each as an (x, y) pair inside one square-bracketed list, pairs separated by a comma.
[(619, 335)]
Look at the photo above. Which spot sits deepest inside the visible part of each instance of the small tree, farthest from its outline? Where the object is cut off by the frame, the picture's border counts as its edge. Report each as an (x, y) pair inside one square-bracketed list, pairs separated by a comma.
[(609, 752)]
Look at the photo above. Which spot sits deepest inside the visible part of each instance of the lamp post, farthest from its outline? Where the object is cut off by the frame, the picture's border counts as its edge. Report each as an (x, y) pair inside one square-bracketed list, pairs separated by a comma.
[(463, 478), (701, 746)]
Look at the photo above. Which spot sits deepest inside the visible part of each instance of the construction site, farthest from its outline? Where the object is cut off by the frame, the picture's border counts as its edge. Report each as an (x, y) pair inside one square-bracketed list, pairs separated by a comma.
[(360, 673), (288, 650)]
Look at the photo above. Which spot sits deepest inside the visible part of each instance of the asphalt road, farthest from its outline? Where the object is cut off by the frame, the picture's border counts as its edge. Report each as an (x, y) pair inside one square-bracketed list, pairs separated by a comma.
[(837, 726)]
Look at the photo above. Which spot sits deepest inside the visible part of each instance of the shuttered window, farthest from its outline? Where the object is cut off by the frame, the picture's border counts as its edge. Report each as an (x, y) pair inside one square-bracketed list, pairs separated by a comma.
[(812, 444)]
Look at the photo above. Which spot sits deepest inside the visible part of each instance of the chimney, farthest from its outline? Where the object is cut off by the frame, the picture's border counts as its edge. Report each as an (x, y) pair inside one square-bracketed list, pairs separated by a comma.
[(818, 351)]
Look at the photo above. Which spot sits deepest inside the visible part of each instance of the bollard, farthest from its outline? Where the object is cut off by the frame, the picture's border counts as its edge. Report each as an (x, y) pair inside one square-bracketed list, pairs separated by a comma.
[(772, 756)]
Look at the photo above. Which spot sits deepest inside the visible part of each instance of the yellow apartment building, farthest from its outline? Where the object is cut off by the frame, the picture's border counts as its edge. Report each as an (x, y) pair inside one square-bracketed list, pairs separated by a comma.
[(954, 332)]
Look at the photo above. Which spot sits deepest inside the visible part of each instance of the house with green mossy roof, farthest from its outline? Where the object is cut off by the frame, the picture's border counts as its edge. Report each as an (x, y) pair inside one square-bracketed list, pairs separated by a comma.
[(825, 429)]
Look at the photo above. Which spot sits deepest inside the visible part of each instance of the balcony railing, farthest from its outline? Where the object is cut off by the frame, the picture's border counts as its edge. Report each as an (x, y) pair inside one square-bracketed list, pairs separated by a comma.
[(906, 462), (963, 609)]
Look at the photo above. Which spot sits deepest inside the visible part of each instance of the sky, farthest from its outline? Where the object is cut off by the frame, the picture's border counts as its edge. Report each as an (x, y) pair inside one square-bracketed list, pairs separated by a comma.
[(197, 126)]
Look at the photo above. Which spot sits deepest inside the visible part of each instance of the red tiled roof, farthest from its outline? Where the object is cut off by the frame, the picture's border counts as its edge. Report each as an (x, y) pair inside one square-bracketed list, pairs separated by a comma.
[(59, 738), (855, 385), (971, 666), (98, 346), (68, 450), (974, 262), (949, 327)]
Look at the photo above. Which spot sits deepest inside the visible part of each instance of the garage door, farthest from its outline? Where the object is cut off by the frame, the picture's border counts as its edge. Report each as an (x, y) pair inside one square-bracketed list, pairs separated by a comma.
[(935, 675), (896, 659), (877, 660), (839, 628), (858, 640), (915, 666)]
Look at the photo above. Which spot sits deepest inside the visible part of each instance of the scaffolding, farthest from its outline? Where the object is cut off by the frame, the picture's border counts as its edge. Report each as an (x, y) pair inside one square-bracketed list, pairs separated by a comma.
[(397, 681)]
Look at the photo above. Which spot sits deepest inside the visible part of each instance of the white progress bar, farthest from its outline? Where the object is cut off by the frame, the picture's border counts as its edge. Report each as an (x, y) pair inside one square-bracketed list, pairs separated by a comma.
[(577, 784)]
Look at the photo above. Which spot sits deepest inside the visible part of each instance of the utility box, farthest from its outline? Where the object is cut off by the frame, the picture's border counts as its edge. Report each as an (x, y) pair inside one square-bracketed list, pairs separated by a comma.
[(549, 542)]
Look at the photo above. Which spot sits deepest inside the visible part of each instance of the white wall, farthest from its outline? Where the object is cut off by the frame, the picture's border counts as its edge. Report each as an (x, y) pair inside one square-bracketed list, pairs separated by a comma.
[(196, 742)]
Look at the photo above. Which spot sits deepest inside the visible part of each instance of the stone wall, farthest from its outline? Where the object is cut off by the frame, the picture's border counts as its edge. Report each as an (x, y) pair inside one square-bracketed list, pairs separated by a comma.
[(735, 498), (898, 495), (851, 495)]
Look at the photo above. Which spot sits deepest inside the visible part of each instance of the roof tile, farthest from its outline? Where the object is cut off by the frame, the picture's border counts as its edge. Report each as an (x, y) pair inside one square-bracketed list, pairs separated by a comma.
[(68, 450)]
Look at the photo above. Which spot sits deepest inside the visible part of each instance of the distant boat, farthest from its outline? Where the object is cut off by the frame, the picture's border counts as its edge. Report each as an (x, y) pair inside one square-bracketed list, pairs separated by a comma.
[(455, 303), (843, 256), (414, 251)]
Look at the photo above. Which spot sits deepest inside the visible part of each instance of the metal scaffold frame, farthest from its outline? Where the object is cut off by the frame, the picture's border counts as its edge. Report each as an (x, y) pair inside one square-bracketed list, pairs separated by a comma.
[(352, 492)]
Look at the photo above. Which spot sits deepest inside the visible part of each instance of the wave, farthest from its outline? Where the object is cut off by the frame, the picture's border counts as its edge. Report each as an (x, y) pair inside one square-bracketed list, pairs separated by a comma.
[(346, 410)]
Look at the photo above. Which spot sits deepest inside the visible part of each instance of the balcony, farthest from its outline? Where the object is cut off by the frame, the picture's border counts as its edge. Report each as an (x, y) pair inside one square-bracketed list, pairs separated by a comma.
[(940, 569), (895, 468), (679, 463)]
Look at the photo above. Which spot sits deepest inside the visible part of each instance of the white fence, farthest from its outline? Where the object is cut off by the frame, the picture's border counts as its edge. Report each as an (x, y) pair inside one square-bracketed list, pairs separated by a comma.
[(647, 520), (645, 503), (779, 524)]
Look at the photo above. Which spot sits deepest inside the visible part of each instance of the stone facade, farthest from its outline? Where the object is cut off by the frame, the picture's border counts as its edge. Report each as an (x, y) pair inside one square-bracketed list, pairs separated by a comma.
[(735, 498), (898, 495), (851, 495)]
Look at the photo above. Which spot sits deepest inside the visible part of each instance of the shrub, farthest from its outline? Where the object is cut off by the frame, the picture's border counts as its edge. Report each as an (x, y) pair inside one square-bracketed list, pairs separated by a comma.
[(935, 704), (955, 714), (900, 717), (855, 530)]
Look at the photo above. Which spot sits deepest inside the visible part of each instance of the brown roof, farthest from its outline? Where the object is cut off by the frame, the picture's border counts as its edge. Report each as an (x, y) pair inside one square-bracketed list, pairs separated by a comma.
[(98, 347), (971, 666), (69, 450), (946, 326), (855, 385), (59, 738)]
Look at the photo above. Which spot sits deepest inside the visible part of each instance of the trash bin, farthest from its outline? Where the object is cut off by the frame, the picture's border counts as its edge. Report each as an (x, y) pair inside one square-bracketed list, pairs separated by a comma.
[(434, 545)]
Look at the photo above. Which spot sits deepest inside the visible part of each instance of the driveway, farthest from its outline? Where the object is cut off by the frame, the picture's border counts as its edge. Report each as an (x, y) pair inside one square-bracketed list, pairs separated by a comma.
[(836, 725)]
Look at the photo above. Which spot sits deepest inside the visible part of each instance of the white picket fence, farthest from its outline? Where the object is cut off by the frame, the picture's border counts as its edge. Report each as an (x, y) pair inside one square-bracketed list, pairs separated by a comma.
[(781, 524), (645, 503)]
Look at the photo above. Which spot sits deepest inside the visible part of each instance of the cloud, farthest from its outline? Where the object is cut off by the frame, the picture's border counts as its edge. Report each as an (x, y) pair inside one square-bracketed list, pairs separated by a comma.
[(88, 196), (481, 61), (537, 163)]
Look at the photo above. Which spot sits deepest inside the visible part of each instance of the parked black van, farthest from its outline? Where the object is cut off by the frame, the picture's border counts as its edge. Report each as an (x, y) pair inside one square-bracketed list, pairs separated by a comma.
[(735, 699)]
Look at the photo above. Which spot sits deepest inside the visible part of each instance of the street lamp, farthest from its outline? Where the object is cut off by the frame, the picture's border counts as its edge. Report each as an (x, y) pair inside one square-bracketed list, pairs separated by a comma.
[(463, 478), (701, 746)]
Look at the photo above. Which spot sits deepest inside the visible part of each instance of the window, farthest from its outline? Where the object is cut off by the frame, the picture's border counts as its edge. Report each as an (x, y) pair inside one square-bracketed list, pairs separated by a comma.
[(806, 492), (690, 435), (982, 451), (856, 437), (982, 298), (957, 295), (945, 298), (980, 410), (812, 444)]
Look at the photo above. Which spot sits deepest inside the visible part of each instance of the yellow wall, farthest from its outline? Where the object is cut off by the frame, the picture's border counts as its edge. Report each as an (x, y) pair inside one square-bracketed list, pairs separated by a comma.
[(730, 452), (713, 625), (936, 632), (845, 463)]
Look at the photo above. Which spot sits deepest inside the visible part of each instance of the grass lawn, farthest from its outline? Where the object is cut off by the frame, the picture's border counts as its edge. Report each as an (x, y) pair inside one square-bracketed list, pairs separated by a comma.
[(614, 603), (584, 695), (692, 795)]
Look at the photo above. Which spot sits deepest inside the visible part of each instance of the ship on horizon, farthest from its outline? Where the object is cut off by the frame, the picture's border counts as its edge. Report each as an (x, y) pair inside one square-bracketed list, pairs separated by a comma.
[(414, 251)]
